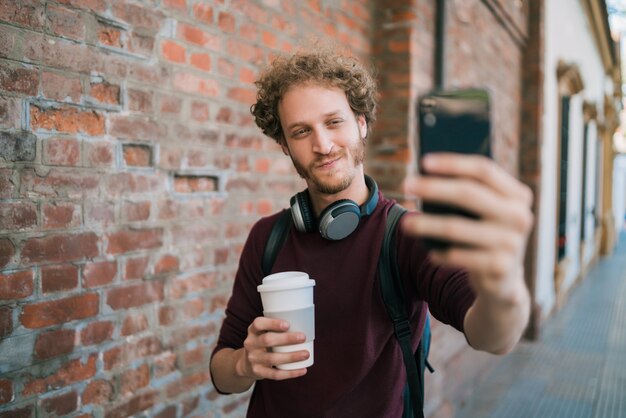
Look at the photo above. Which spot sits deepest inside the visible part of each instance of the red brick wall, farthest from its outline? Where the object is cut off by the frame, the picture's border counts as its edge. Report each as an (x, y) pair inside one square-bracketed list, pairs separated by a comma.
[(131, 171)]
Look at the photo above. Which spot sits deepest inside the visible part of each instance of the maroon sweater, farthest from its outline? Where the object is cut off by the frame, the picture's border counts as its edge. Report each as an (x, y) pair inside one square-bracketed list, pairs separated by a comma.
[(358, 370)]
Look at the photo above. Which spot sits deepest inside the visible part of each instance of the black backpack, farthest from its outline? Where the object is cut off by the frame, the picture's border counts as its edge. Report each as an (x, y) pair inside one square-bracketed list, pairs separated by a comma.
[(394, 298)]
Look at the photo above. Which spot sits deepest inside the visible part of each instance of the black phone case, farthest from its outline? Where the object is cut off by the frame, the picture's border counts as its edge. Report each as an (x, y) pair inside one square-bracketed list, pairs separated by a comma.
[(453, 121)]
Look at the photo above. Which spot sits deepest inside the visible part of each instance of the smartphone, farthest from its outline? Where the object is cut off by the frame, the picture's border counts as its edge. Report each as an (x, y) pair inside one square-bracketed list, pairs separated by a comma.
[(453, 121)]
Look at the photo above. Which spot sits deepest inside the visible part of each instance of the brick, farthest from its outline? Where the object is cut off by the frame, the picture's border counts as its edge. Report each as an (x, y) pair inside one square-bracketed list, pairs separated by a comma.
[(138, 16), (136, 211), (167, 412), (15, 216), (203, 13), (170, 104), (187, 383), (200, 111), (173, 51), (242, 95), (20, 412), (132, 381), (197, 36), (136, 268), (60, 405), (142, 44), (28, 13), (140, 101), (99, 154), (59, 278), (61, 151), (248, 53), (106, 93), (133, 406), (134, 324), (193, 308), (176, 4), (96, 333), (122, 355), (94, 5), (167, 315), (110, 36), (43, 314), (167, 264), (164, 364), (62, 21), (201, 61), (196, 283), (54, 343), (59, 183), (132, 240), (6, 321), (17, 285), (195, 184), (137, 155), (60, 248), (99, 273), (137, 128), (191, 83), (16, 79), (61, 215), (67, 119), (10, 111), (226, 22), (18, 146), (135, 295), (71, 372), (6, 391), (98, 392), (225, 68)]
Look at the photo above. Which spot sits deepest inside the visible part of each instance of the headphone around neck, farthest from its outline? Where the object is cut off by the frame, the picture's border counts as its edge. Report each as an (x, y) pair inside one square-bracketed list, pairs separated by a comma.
[(339, 219)]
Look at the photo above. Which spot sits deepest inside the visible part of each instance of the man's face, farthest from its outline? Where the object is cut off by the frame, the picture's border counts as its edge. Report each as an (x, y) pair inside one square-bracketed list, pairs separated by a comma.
[(323, 137)]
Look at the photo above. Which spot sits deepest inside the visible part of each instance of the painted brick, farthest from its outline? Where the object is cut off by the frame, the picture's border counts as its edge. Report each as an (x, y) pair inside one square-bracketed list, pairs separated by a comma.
[(140, 101), (54, 343), (203, 13), (99, 154), (17, 285), (43, 314), (191, 83), (59, 278), (10, 112), (122, 355)]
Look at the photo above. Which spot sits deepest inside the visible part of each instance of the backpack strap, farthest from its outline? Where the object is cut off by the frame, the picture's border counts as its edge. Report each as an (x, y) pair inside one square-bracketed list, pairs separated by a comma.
[(276, 239), (394, 297)]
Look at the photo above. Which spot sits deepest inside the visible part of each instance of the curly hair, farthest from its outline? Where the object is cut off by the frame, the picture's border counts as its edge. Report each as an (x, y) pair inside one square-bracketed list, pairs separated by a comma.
[(322, 67)]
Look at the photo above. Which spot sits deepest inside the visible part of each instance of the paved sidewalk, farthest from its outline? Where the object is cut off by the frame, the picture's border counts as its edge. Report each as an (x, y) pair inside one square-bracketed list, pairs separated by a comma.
[(578, 368)]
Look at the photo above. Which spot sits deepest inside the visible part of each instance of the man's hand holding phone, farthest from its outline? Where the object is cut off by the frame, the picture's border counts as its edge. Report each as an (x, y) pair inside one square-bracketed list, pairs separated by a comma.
[(481, 220)]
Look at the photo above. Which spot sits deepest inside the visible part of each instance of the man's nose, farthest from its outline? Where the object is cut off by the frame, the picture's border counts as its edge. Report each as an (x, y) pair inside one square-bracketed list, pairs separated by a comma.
[(322, 141)]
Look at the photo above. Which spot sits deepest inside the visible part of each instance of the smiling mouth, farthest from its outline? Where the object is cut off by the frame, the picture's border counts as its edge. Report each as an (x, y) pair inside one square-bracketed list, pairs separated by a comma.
[(328, 163)]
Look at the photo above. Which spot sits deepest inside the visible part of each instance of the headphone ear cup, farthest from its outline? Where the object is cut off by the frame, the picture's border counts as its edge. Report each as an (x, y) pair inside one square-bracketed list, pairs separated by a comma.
[(339, 219), (301, 212)]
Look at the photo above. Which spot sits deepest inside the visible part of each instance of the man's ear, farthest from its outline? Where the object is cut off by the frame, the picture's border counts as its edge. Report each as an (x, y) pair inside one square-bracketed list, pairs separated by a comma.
[(362, 125), (283, 146)]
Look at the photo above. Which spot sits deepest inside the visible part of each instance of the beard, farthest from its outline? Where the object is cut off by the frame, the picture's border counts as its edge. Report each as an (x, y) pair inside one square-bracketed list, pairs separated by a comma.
[(342, 182)]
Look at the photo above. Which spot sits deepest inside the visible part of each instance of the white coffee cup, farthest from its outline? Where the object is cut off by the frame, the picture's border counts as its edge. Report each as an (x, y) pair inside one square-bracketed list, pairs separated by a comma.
[(289, 296)]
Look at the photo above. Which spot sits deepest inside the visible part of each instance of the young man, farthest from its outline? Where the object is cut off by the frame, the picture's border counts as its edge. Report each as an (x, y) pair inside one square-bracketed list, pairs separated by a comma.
[(319, 107)]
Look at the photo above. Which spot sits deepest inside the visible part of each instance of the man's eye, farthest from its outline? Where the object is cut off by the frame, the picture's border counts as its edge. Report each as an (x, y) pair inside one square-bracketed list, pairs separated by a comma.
[(299, 132), (336, 122)]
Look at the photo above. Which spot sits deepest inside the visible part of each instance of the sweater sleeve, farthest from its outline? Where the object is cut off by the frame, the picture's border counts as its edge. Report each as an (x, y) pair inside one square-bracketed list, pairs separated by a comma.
[(446, 290)]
